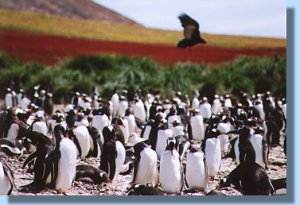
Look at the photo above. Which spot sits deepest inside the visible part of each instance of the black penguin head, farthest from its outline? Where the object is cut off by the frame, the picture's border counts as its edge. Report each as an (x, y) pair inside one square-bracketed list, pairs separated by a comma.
[(194, 148), (103, 177), (139, 147), (71, 119), (117, 121), (108, 133), (214, 133), (59, 132)]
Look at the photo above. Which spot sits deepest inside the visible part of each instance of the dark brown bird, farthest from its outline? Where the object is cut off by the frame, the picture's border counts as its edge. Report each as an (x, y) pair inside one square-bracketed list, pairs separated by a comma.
[(191, 32)]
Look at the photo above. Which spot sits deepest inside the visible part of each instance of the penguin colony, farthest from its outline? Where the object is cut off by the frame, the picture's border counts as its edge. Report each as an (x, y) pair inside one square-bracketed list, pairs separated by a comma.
[(166, 146)]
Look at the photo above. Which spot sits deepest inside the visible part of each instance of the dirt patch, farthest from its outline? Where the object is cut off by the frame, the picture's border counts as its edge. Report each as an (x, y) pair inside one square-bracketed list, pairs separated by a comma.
[(120, 186)]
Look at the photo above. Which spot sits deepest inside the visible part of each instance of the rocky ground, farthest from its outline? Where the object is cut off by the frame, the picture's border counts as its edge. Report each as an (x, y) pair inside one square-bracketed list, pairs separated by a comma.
[(277, 169)]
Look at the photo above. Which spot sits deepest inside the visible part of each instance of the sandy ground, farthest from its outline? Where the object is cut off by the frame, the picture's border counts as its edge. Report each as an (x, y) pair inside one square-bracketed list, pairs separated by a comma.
[(277, 169)]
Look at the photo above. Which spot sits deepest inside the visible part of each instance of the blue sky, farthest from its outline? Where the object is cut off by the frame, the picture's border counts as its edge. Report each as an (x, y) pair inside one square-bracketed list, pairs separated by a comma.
[(238, 17)]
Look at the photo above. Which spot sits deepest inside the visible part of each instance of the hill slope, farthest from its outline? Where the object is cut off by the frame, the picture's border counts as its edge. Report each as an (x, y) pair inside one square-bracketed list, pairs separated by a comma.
[(82, 9), (104, 30)]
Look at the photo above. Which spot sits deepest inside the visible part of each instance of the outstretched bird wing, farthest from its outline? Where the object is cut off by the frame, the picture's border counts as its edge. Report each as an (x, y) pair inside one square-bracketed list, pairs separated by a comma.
[(191, 27), (191, 30)]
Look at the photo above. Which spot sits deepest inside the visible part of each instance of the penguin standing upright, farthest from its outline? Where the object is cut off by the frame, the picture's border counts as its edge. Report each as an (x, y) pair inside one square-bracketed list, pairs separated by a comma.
[(100, 120), (196, 170), (139, 110), (196, 127), (145, 165), (217, 105), (147, 129), (224, 128), (170, 175), (66, 162), (6, 179), (163, 135), (113, 154), (80, 135), (213, 153), (254, 143), (43, 147)]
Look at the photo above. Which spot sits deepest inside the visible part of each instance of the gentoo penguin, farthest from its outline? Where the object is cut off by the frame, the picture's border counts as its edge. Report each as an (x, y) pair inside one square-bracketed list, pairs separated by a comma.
[(147, 129), (172, 116), (6, 178), (212, 150), (43, 147), (117, 124), (145, 165), (93, 173), (81, 137), (205, 109), (227, 101), (67, 159), (224, 127), (113, 154), (11, 149), (258, 106), (96, 142), (170, 175), (100, 120), (253, 143), (163, 134), (177, 129), (8, 99), (39, 125), (195, 102), (144, 189), (125, 129), (115, 104), (196, 127), (251, 178), (123, 106), (139, 110), (48, 104), (196, 170), (132, 126), (217, 105)]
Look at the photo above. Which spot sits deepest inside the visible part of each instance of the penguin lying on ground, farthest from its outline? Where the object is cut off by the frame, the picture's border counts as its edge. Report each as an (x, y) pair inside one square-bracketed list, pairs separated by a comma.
[(87, 171), (10, 148), (250, 178)]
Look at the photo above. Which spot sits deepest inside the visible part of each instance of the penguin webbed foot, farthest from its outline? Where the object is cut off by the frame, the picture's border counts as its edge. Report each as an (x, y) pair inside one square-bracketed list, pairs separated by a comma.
[(30, 188)]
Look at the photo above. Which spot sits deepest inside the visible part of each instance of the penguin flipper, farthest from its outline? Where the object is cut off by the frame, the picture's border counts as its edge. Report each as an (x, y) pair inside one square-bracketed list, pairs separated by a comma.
[(76, 142)]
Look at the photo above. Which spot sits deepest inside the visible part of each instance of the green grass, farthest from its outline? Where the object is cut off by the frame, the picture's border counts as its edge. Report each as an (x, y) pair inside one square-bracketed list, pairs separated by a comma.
[(114, 72), (88, 29)]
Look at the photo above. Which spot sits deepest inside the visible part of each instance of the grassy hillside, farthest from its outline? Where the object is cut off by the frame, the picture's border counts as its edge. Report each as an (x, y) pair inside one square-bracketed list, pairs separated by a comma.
[(88, 29), (110, 72)]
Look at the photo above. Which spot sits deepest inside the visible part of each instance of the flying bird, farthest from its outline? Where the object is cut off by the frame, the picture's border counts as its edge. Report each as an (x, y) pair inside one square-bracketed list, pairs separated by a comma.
[(191, 32)]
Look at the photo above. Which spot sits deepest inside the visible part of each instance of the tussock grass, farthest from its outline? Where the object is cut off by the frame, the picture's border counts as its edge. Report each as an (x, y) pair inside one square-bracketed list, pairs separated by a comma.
[(116, 72)]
